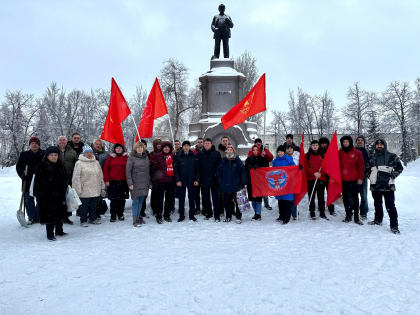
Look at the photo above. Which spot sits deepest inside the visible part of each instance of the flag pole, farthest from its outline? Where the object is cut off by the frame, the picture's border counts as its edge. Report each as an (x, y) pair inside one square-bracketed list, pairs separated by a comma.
[(170, 126), (265, 112), (135, 126), (313, 189)]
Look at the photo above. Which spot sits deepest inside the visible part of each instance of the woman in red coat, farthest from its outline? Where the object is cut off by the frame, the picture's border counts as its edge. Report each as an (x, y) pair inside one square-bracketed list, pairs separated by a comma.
[(115, 181)]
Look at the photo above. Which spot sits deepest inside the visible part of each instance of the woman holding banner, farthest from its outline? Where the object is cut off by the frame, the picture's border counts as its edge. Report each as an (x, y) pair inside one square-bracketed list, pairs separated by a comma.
[(254, 161)]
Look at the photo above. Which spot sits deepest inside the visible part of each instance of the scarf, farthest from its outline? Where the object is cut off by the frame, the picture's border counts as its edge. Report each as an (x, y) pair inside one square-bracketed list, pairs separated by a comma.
[(169, 165)]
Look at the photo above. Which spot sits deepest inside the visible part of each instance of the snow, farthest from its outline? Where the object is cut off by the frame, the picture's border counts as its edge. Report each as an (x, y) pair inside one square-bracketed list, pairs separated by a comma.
[(304, 267)]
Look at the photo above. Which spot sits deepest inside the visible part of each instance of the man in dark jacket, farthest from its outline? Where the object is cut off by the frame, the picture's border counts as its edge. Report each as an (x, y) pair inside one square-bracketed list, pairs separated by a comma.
[(364, 208), (76, 144), (289, 140), (30, 159), (231, 175), (352, 169), (384, 167), (197, 190), (186, 178), (208, 161), (69, 158)]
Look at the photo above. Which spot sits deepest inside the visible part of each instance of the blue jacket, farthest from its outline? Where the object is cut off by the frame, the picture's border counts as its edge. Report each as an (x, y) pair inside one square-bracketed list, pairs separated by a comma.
[(285, 160), (231, 175)]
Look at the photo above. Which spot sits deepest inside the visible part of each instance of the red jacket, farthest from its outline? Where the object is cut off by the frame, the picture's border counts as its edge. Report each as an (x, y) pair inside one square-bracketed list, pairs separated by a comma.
[(268, 156), (352, 165), (114, 168), (313, 165)]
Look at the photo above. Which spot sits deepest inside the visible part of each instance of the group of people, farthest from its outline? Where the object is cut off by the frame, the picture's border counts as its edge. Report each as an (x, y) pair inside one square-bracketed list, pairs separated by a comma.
[(210, 176)]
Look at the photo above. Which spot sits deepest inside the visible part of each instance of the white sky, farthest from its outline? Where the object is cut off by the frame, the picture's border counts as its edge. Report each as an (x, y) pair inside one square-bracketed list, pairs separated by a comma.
[(316, 45)]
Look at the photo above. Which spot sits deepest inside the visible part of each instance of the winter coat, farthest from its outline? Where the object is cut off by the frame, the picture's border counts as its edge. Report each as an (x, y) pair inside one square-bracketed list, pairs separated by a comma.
[(138, 174), (114, 168), (158, 168), (208, 161), (69, 158), (101, 156), (384, 167), (88, 178), (352, 165), (313, 165), (254, 162), (50, 187), (231, 175), (186, 168), (31, 159), (295, 157), (268, 156), (285, 160), (79, 149)]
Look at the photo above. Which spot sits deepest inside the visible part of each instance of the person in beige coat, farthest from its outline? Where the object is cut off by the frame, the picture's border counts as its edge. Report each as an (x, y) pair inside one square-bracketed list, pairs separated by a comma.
[(89, 185)]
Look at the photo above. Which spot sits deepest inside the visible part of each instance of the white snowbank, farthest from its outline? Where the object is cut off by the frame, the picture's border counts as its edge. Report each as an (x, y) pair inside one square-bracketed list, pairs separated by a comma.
[(207, 268)]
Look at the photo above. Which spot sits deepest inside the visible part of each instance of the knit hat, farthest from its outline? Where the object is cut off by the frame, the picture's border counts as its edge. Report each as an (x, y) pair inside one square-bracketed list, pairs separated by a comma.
[(281, 148), (166, 144), (34, 139), (86, 149), (230, 146), (186, 142)]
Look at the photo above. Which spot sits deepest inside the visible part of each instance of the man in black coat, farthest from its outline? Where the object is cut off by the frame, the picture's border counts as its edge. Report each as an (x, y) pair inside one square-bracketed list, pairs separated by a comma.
[(384, 167), (30, 159), (76, 144), (186, 177), (208, 161), (364, 208), (289, 140)]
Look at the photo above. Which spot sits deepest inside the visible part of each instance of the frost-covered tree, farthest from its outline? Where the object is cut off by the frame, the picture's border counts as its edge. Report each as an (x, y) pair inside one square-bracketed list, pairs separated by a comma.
[(356, 110)]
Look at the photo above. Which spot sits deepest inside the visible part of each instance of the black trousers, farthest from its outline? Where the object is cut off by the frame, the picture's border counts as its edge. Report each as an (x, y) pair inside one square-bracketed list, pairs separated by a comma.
[(230, 204), (89, 207), (351, 198), (221, 36), (117, 206), (197, 193), (166, 199), (389, 197), (319, 193), (285, 210), (331, 207), (208, 191), (154, 198), (50, 228)]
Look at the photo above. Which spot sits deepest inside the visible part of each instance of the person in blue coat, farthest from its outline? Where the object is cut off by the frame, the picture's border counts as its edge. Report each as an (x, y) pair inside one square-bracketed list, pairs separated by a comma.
[(231, 175), (284, 201)]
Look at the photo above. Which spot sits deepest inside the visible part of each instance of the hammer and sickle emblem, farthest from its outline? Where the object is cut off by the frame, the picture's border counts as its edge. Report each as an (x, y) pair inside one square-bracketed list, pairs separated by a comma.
[(245, 109)]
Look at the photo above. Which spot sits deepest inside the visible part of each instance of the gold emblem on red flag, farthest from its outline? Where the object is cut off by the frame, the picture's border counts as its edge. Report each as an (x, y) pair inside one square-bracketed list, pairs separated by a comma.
[(247, 106)]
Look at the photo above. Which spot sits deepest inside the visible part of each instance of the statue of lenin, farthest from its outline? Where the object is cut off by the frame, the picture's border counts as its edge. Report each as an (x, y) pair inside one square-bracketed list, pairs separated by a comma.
[(221, 25)]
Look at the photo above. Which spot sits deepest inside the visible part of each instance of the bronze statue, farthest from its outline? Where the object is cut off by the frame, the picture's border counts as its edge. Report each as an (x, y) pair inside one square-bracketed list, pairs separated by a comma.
[(221, 25)]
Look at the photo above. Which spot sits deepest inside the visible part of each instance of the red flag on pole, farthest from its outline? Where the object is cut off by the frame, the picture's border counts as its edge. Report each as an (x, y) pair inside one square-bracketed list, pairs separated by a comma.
[(302, 162), (118, 111), (275, 181), (331, 166), (155, 108), (253, 103)]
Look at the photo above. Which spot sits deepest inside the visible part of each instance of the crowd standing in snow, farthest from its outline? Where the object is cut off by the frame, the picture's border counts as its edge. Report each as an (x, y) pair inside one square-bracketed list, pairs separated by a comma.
[(210, 175)]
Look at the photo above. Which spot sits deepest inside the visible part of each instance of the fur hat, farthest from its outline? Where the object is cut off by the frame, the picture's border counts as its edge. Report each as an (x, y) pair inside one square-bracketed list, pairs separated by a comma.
[(186, 142)]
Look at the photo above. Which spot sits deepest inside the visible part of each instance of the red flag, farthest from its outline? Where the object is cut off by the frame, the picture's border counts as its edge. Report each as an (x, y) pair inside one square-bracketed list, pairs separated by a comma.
[(275, 181), (253, 103), (331, 166), (118, 111), (302, 163), (155, 108)]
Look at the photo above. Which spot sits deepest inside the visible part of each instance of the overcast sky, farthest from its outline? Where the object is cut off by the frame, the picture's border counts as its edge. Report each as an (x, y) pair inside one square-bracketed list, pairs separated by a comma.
[(316, 45)]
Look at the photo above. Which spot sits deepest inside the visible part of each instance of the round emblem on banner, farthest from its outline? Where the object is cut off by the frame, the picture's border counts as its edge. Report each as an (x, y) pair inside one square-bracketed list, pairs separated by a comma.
[(276, 179)]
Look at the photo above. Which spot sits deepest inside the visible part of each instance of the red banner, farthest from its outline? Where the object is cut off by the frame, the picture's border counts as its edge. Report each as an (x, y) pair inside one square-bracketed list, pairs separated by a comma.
[(276, 181)]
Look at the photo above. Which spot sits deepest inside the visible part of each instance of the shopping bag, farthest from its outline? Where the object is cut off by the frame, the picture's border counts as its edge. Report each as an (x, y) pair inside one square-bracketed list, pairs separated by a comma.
[(242, 200)]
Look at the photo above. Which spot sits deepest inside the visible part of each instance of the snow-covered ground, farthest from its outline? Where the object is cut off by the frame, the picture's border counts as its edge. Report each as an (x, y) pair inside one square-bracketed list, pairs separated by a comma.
[(207, 268)]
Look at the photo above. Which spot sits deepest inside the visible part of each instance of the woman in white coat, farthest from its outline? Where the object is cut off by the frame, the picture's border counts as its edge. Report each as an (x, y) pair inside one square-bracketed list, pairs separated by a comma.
[(89, 185)]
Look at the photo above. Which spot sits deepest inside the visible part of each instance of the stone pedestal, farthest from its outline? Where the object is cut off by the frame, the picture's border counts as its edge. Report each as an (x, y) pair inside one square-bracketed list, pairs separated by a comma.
[(222, 88)]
